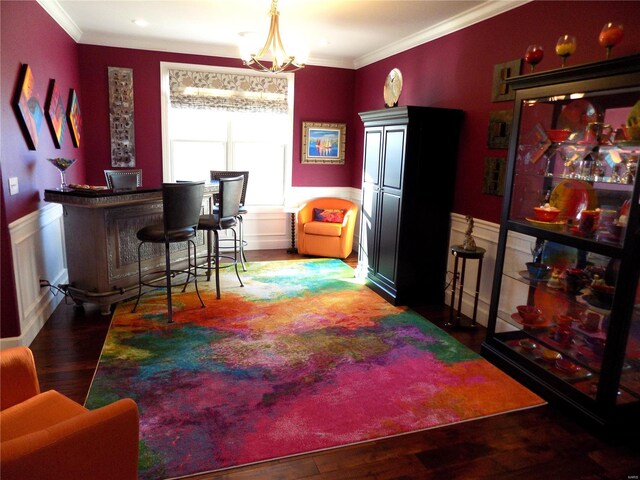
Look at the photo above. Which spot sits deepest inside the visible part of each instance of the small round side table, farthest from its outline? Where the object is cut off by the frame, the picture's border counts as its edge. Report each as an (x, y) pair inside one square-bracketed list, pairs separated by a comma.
[(460, 253)]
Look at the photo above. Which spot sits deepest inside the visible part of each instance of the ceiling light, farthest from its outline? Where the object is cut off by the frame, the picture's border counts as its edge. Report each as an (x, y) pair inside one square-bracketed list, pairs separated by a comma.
[(280, 61), (140, 22)]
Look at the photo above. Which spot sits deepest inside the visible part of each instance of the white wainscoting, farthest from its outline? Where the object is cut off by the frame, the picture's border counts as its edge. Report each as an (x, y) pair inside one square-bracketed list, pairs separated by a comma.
[(37, 243), (485, 235), (268, 228)]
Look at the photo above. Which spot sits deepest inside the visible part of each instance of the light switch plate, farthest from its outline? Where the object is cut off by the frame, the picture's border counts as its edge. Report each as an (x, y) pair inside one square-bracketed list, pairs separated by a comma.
[(13, 186)]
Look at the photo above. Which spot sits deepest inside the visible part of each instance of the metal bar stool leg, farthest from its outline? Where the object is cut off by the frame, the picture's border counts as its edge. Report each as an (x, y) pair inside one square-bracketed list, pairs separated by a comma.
[(243, 257), (216, 255), (235, 260), (167, 257), (139, 278), (195, 272)]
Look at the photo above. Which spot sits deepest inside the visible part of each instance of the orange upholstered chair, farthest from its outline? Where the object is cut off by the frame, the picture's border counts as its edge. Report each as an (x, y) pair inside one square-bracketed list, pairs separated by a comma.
[(48, 436), (322, 235)]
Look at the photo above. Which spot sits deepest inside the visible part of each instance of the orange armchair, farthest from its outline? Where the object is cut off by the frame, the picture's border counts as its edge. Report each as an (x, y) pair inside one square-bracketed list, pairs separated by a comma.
[(48, 436), (326, 239)]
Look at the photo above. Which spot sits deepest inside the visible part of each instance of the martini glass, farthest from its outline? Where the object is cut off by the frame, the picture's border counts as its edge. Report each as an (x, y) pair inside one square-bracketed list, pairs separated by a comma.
[(62, 164)]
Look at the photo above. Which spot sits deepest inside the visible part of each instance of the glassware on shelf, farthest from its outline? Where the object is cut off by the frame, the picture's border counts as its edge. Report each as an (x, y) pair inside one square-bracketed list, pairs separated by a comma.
[(565, 47), (534, 55), (62, 164), (610, 36)]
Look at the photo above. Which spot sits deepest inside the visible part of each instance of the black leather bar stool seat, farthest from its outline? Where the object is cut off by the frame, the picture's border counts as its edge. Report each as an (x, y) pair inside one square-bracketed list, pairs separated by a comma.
[(181, 205)]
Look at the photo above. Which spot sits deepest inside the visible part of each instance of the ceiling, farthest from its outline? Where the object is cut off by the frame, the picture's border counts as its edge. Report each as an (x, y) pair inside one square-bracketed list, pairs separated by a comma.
[(337, 33)]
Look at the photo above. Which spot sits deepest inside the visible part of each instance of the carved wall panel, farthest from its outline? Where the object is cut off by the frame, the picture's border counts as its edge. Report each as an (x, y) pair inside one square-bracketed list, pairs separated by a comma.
[(123, 150)]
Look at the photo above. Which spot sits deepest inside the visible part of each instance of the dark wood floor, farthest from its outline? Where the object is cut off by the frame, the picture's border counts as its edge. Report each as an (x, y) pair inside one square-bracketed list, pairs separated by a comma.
[(541, 443)]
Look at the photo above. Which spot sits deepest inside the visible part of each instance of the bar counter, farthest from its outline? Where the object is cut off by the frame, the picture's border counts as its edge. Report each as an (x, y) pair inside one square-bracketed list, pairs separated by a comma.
[(101, 246)]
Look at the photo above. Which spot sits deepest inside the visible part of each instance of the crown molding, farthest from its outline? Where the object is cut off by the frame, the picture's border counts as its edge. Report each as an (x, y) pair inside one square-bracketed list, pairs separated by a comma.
[(191, 48), (478, 14), (55, 11), (463, 20)]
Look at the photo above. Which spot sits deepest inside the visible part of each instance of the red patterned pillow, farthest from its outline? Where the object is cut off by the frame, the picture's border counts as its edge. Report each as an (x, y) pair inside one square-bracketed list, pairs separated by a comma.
[(328, 215)]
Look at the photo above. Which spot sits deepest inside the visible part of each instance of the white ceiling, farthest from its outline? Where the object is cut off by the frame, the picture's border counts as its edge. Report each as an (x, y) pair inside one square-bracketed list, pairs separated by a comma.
[(338, 33)]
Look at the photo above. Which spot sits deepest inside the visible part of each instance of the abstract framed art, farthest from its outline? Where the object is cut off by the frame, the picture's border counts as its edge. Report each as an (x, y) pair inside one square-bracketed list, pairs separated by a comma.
[(501, 72), (74, 117), (27, 107), (499, 128), (54, 111), (323, 143)]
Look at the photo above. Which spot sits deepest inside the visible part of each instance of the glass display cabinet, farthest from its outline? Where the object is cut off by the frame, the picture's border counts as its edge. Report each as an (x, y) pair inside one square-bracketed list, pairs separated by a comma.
[(565, 307)]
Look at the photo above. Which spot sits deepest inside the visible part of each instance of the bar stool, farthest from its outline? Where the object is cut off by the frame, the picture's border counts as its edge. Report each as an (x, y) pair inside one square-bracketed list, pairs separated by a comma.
[(241, 243), (181, 204), (225, 217), (123, 179), (460, 253)]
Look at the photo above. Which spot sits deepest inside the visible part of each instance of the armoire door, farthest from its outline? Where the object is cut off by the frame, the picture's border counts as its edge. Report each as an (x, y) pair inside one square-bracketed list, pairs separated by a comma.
[(391, 201), (370, 196)]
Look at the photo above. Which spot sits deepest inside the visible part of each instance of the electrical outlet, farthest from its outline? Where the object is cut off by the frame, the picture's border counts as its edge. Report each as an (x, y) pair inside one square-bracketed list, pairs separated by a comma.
[(13, 186)]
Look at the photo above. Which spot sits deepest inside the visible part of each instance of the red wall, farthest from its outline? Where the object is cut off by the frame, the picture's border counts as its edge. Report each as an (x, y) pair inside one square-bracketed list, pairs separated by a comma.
[(321, 94), (29, 35), (456, 71)]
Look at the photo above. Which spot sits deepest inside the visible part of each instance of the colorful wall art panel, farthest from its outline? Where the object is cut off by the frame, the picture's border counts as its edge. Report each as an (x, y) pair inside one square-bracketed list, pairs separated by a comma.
[(54, 109), (74, 117), (27, 107)]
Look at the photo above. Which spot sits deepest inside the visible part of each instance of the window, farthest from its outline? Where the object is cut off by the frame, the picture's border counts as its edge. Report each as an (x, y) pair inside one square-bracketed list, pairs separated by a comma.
[(228, 119)]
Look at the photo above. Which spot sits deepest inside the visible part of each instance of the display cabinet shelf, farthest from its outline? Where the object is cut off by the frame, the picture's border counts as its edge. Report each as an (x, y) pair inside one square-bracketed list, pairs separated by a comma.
[(565, 307)]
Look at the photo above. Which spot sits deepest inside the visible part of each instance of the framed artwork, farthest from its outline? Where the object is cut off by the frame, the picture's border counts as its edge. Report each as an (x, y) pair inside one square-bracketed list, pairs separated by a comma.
[(323, 143), (494, 173), (121, 119), (54, 111), (499, 128), (27, 107), (501, 91), (74, 117)]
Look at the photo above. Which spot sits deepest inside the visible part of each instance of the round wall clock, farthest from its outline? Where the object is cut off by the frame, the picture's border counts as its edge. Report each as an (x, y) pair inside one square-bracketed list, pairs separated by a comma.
[(392, 88)]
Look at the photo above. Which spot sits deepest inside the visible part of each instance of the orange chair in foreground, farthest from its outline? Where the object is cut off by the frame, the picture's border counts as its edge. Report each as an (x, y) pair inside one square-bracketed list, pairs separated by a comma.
[(47, 436), (326, 226)]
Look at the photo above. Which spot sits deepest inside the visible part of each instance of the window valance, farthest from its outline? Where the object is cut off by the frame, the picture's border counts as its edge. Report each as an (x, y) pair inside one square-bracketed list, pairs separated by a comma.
[(228, 91)]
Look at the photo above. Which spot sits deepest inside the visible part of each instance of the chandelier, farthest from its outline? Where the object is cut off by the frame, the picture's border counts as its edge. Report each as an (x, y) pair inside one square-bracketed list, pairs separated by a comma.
[(280, 61)]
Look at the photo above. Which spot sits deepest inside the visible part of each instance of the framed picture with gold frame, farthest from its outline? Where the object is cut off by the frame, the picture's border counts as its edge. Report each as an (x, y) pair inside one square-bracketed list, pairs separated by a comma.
[(323, 143)]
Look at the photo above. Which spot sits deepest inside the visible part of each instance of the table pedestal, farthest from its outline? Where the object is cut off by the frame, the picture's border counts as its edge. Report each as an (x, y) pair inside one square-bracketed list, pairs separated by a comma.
[(293, 211), (458, 277)]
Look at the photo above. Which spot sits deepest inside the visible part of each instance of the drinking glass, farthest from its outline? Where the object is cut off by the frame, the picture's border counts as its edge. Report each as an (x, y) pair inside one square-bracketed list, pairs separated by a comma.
[(534, 55), (566, 46), (610, 36)]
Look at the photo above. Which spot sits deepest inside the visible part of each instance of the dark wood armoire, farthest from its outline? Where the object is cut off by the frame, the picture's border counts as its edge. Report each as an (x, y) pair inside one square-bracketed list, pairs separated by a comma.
[(410, 156)]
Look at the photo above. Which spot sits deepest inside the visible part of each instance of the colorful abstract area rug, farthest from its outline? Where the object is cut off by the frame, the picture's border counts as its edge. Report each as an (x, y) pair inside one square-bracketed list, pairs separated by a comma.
[(302, 358)]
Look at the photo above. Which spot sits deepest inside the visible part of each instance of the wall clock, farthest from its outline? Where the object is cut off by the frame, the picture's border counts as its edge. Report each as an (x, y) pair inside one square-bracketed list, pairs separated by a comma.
[(392, 88)]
